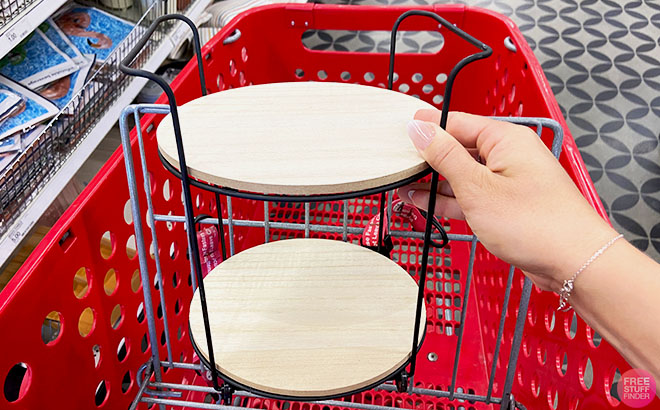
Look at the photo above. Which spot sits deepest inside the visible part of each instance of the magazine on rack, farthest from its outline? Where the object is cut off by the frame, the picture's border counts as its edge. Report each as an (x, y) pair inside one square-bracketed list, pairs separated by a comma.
[(61, 41), (26, 139), (8, 102), (32, 110), (11, 143), (93, 31), (60, 92), (36, 61)]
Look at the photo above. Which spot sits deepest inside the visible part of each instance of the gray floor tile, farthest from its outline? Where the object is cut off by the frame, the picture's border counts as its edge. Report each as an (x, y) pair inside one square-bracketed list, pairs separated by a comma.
[(602, 59)]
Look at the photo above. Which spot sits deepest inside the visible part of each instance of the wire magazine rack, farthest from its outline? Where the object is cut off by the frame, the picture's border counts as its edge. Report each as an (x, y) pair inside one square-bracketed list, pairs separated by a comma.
[(11, 9), (23, 180), (230, 394)]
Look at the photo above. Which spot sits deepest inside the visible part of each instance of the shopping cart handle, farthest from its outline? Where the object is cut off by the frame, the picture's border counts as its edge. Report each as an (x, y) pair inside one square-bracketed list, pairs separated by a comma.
[(124, 65)]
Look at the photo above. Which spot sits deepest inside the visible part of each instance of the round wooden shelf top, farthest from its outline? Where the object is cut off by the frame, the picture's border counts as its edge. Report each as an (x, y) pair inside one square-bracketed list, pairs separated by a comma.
[(307, 318), (302, 138)]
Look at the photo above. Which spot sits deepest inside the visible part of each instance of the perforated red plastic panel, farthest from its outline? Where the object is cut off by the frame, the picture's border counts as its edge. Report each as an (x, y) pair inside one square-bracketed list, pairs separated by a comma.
[(67, 373)]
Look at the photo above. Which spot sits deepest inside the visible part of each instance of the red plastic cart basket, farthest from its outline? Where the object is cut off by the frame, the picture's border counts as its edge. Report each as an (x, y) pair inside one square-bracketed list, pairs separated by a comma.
[(73, 323)]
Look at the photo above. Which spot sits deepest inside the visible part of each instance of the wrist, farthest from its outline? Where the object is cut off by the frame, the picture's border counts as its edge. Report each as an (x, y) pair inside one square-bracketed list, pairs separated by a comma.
[(568, 285), (579, 247), (605, 271)]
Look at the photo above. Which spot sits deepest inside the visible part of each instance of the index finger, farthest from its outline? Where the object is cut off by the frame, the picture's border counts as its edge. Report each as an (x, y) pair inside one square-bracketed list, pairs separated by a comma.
[(475, 131), (486, 133)]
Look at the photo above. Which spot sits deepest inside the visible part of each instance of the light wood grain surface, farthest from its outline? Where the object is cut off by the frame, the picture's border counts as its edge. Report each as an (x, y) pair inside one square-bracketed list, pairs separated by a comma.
[(308, 317), (299, 138)]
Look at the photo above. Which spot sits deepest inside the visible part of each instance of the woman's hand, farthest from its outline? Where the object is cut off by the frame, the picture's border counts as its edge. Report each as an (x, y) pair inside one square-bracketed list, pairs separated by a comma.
[(511, 190), (525, 209)]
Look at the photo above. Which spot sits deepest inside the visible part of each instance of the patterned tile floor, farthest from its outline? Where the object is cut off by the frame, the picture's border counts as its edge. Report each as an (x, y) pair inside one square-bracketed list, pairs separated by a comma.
[(602, 59)]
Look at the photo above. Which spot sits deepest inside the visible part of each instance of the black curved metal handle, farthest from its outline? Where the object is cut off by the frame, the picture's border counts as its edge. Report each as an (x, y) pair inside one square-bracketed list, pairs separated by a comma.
[(438, 227), (486, 51), (125, 68), (431, 222), (187, 196), (136, 72)]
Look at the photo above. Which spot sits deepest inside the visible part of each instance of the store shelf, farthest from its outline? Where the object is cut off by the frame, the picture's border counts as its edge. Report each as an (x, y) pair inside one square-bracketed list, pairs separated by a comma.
[(18, 18), (25, 202)]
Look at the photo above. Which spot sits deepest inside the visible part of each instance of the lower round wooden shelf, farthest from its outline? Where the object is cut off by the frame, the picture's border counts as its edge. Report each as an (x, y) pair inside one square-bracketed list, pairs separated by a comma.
[(308, 318)]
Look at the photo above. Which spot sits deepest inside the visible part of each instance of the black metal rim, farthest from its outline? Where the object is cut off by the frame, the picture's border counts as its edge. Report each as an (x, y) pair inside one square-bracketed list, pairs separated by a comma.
[(230, 192)]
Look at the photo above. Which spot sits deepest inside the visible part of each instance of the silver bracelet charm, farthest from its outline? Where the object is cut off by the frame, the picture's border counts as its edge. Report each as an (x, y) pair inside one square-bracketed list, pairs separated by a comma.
[(567, 287)]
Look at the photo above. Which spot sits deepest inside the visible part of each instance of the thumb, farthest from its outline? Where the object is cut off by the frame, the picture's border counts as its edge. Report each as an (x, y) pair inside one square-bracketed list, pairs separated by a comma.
[(442, 151)]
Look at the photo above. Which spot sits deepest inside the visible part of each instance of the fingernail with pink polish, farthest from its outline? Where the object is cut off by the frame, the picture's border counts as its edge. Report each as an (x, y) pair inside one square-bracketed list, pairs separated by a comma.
[(410, 194), (421, 133)]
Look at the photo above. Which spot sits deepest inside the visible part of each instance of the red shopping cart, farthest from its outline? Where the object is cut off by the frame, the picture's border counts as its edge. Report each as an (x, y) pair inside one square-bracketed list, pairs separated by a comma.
[(82, 282)]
